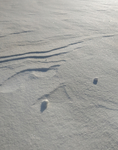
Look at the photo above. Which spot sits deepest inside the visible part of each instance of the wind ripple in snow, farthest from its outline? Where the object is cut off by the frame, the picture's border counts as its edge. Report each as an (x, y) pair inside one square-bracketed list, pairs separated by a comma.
[(23, 77), (48, 61), (32, 57)]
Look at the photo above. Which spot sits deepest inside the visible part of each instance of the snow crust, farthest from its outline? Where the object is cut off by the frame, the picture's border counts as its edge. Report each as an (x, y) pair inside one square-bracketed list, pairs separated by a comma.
[(65, 53)]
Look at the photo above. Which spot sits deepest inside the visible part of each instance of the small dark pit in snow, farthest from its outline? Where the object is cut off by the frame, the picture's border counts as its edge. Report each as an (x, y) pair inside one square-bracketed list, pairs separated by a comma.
[(95, 81)]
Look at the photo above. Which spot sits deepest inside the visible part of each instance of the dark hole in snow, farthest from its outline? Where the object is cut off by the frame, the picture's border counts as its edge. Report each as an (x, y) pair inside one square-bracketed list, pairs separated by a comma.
[(44, 105), (95, 81)]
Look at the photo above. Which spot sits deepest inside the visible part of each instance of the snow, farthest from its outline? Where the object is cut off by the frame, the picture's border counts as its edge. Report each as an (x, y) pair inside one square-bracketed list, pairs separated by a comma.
[(58, 75)]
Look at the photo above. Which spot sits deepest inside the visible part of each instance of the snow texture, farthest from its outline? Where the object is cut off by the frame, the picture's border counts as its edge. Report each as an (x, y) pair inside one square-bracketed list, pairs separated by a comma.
[(64, 52)]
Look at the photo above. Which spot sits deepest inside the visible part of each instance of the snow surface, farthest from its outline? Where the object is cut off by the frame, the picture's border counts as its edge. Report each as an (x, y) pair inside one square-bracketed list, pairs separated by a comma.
[(54, 50)]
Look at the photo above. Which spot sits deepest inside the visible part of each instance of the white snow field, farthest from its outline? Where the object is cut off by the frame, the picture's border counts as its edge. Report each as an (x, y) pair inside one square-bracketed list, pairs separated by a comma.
[(58, 74)]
